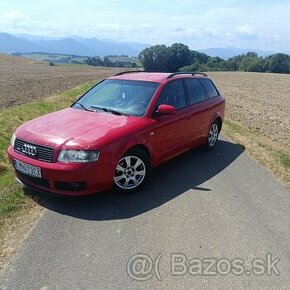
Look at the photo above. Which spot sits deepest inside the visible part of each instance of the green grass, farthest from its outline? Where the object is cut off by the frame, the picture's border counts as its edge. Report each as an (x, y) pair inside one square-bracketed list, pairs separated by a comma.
[(51, 57), (236, 127), (11, 194), (11, 201), (284, 159), (58, 58)]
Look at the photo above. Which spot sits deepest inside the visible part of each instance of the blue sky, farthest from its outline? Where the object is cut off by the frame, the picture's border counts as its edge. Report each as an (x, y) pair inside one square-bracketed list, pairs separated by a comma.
[(198, 23)]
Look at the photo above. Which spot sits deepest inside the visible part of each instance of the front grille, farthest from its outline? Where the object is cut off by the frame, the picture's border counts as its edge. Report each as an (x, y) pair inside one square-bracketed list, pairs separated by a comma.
[(38, 181), (42, 153)]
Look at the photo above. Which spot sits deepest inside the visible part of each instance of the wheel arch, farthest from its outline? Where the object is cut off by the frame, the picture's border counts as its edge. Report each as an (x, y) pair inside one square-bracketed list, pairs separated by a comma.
[(217, 117), (141, 147), (219, 121), (128, 147)]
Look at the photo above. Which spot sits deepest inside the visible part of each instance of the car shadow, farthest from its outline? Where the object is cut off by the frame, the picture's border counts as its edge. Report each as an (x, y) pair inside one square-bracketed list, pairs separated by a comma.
[(175, 177)]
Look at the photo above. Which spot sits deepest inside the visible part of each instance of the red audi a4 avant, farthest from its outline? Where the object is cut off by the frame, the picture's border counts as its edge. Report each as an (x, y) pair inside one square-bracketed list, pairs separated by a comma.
[(116, 132)]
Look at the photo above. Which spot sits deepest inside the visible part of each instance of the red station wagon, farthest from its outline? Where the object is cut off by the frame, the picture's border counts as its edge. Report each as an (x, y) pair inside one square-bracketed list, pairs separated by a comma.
[(116, 132)]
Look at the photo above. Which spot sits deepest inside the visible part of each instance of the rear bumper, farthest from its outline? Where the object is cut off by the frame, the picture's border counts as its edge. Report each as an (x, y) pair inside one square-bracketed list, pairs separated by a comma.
[(66, 178)]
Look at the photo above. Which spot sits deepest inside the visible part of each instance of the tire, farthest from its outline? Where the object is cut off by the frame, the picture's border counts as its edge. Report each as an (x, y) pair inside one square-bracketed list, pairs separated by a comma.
[(132, 171), (212, 137)]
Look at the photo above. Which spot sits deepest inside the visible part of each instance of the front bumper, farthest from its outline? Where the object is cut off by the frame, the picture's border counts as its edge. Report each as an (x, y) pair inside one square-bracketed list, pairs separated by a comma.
[(66, 178)]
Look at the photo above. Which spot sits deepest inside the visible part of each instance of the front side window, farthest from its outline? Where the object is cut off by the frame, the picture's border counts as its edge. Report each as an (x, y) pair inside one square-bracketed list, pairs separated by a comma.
[(173, 94), (195, 91), (209, 87), (127, 97)]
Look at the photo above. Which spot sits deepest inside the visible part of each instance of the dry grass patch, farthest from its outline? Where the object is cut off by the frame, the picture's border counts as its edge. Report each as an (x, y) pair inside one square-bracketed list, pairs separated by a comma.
[(272, 155)]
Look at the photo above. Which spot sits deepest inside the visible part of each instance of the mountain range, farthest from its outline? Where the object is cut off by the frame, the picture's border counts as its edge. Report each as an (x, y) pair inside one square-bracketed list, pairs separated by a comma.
[(82, 46), (71, 45), (228, 52)]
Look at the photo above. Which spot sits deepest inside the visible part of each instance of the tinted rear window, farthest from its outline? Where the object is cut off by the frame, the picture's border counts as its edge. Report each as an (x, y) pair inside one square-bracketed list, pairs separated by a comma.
[(195, 91), (209, 87)]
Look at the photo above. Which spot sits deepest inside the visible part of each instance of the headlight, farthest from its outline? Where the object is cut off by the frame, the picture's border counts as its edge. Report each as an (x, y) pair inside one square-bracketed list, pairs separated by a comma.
[(78, 156), (13, 138)]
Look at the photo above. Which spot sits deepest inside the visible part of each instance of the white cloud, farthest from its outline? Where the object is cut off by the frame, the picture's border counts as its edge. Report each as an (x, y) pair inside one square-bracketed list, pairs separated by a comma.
[(246, 29), (14, 15), (109, 27), (198, 23)]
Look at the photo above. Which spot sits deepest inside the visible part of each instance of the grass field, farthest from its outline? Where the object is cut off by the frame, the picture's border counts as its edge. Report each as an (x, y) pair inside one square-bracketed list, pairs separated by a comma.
[(54, 57), (66, 58), (257, 107)]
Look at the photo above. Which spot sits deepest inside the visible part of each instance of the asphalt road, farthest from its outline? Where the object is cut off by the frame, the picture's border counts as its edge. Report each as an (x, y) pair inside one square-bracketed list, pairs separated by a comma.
[(212, 210)]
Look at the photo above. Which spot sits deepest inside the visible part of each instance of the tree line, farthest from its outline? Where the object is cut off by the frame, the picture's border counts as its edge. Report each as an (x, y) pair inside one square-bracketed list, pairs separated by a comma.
[(178, 57), (97, 61)]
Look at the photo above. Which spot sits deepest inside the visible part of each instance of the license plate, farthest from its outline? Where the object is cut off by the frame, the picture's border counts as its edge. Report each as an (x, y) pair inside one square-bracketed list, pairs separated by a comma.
[(27, 169)]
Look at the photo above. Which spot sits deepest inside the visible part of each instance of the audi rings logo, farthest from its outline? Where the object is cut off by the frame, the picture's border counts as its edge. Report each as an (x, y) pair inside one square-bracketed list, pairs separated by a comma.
[(29, 149)]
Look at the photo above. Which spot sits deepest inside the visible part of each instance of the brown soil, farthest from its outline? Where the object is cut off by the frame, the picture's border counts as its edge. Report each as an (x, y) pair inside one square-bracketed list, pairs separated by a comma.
[(258, 100), (22, 80)]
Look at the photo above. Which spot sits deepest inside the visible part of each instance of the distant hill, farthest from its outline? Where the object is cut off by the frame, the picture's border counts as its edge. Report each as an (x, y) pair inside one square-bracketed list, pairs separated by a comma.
[(72, 45), (228, 52), (76, 45)]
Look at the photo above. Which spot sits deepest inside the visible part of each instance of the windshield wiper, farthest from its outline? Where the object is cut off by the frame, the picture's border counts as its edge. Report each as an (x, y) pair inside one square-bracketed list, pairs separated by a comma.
[(109, 110), (84, 107)]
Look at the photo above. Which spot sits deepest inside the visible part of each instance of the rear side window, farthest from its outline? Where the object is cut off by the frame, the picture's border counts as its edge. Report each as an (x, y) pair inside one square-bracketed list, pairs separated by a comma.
[(195, 91), (209, 87), (173, 94)]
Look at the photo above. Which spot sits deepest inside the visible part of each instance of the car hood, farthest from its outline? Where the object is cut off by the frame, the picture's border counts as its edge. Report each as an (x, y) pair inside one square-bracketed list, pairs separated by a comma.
[(73, 127)]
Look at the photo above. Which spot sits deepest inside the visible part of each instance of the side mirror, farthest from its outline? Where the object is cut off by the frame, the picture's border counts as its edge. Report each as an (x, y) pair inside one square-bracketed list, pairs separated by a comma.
[(165, 110)]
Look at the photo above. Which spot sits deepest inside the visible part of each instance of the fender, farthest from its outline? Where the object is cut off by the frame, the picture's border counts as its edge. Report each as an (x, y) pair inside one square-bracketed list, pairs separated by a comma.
[(141, 139)]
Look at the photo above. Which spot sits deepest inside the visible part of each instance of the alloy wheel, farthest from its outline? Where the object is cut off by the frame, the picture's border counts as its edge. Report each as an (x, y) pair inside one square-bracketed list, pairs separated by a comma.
[(130, 172), (213, 135)]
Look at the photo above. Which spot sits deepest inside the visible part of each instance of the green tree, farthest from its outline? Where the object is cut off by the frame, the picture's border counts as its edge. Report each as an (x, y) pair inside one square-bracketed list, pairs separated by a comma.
[(94, 61), (190, 68), (215, 63), (179, 56), (229, 65), (198, 57), (279, 63), (246, 62), (155, 58), (107, 62), (258, 65)]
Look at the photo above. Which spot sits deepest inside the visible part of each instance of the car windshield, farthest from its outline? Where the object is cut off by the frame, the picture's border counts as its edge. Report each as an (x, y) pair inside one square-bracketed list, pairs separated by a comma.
[(119, 97)]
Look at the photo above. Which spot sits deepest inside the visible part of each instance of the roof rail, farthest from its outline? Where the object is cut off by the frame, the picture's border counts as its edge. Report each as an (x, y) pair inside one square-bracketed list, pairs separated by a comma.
[(154, 71), (136, 71), (186, 73), (127, 72)]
